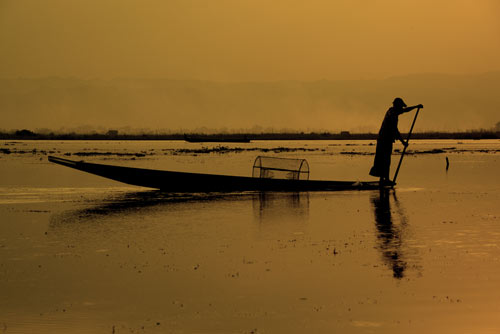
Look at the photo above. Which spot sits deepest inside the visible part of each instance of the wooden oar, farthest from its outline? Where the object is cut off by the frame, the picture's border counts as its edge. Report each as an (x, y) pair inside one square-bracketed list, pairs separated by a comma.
[(404, 149)]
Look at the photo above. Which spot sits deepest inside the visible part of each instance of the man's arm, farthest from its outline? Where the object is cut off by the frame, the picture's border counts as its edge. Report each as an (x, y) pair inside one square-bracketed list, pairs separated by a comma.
[(408, 109), (400, 138)]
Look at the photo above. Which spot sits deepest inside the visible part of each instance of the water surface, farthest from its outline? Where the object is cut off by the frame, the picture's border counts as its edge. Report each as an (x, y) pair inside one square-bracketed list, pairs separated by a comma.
[(82, 254)]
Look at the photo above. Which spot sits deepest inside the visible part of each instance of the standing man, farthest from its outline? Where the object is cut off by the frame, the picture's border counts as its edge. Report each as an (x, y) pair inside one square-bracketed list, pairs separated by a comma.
[(387, 135)]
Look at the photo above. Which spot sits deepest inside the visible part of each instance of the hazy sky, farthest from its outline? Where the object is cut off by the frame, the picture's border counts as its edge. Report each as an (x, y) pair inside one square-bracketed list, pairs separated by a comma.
[(242, 40)]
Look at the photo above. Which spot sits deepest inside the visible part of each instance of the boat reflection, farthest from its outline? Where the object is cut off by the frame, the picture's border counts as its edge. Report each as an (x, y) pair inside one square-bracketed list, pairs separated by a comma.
[(288, 210), (390, 232), (268, 207), (131, 204)]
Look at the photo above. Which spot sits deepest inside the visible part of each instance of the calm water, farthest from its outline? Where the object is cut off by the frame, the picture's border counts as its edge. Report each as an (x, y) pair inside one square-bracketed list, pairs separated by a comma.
[(82, 254)]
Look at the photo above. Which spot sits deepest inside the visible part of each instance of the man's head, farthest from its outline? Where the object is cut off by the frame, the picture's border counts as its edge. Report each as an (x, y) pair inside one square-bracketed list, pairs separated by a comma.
[(399, 103)]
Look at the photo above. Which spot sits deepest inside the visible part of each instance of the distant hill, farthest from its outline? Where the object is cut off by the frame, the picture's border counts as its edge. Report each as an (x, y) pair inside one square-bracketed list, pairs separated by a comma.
[(452, 102)]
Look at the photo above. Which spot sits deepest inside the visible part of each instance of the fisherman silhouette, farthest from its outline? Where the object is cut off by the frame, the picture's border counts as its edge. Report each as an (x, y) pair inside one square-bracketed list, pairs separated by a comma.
[(387, 135)]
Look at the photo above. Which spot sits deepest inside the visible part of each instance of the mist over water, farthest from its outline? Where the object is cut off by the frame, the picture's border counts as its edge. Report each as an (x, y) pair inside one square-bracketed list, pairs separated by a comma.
[(452, 103), (80, 253)]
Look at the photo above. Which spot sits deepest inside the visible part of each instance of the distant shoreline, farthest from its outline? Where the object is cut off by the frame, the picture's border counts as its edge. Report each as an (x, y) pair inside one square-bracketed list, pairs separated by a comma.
[(222, 137)]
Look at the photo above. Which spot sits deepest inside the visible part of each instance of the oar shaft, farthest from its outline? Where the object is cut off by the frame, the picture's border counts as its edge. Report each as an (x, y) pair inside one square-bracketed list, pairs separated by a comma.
[(404, 149)]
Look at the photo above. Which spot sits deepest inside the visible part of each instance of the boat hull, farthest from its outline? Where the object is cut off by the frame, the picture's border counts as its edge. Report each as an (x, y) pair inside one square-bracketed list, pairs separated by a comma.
[(171, 181)]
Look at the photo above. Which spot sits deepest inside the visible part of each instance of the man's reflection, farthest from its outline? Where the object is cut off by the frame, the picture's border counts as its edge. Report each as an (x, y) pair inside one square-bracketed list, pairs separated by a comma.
[(389, 235)]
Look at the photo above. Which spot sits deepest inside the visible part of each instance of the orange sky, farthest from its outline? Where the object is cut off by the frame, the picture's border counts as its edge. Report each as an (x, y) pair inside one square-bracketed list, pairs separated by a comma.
[(247, 40)]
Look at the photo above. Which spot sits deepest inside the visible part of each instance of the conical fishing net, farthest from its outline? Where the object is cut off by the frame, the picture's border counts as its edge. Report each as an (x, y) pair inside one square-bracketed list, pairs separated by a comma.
[(280, 168)]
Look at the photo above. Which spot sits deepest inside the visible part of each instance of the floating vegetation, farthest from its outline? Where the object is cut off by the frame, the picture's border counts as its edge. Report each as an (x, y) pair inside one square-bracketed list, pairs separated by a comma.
[(357, 153), (118, 154), (33, 151), (225, 149), (220, 149)]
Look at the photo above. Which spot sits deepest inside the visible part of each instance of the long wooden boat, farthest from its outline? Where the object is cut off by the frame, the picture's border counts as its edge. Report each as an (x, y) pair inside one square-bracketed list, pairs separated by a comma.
[(171, 181)]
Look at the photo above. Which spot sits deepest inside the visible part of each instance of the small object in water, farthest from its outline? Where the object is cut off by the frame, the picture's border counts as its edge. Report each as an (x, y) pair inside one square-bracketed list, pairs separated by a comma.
[(447, 163)]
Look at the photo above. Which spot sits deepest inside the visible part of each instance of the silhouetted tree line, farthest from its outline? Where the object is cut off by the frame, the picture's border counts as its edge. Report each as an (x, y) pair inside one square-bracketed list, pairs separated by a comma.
[(344, 135)]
